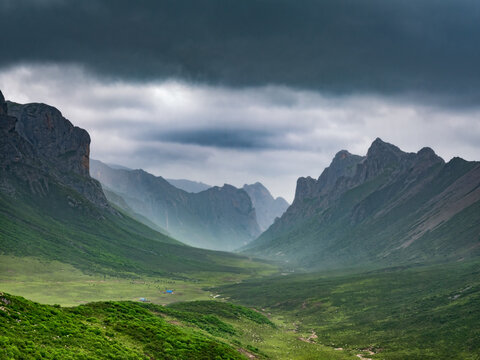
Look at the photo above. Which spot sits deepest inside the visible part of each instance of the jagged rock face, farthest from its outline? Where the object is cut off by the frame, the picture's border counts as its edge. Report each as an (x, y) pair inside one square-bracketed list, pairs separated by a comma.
[(220, 218), (53, 136), (343, 165), (38, 146), (3, 105), (266, 207), (389, 206)]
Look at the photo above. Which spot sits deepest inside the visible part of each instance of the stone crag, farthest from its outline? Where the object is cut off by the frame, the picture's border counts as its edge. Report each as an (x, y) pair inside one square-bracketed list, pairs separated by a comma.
[(39, 146)]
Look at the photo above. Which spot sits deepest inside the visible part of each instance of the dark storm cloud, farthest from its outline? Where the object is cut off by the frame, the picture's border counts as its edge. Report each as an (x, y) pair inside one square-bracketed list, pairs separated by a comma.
[(426, 47), (249, 139)]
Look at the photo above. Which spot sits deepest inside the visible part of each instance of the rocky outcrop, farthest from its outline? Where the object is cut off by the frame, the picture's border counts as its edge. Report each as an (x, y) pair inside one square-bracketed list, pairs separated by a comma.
[(344, 165), (39, 146), (53, 136), (389, 206), (266, 207)]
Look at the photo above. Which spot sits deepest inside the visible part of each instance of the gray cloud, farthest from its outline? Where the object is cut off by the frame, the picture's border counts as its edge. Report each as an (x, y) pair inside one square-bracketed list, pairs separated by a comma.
[(249, 139), (221, 135), (426, 48)]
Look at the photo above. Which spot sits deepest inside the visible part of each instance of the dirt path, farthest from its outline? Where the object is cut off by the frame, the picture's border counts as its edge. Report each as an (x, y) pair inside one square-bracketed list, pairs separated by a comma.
[(246, 353), (310, 339)]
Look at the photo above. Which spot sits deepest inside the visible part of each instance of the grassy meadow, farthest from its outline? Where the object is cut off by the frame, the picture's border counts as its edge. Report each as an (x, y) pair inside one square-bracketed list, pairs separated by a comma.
[(423, 312), (53, 282), (250, 333)]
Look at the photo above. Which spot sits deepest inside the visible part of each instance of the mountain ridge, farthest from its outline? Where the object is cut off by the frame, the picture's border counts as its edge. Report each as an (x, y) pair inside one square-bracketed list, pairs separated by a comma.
[(221, 218), (189, 185), (388, 207)]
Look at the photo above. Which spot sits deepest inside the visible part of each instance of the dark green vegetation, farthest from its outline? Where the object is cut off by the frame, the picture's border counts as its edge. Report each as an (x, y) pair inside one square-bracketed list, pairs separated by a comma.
[(385, 209), (399, 313), (108, 330), (225, 310), (96, 241), (205, 315)]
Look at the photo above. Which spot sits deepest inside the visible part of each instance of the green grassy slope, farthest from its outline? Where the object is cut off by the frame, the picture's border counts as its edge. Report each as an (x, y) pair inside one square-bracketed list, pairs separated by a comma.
[(399, 313), (97, 241), (109, 330), (246, 330)]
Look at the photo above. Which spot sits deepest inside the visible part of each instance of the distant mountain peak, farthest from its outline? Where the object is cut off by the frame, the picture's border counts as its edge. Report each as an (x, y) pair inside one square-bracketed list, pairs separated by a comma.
[(219, 218), (380, 147), (342, 154), (258, 187), (266, 206), (426, 151)]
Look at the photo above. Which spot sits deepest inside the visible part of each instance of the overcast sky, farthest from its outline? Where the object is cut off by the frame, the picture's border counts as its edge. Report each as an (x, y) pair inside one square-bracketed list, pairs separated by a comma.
[(228, 91)]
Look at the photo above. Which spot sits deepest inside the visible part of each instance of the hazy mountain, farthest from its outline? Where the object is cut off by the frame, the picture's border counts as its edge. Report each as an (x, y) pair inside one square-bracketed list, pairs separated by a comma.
[(266, 207), (189, 185), (388, 207), (120, 203), (220, 218), (51, 208)]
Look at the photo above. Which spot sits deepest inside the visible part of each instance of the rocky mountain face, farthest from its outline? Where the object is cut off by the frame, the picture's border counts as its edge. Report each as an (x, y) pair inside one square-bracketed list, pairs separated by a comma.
[(266, 207), (387, 207), (39, 146), (50, 208), (189, 185), (221, 218)]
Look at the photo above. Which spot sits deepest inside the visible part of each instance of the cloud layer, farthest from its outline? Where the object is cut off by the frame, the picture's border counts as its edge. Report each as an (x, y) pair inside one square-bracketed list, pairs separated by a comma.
[(427, 49), (222, 135)]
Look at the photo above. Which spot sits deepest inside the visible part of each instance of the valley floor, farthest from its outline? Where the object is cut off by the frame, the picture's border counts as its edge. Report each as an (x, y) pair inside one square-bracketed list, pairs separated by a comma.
[(400, 313)]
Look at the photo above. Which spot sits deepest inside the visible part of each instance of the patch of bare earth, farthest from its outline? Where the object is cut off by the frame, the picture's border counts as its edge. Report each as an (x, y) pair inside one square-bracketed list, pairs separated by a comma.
[(368, 351), (310, 339), (246, 353)]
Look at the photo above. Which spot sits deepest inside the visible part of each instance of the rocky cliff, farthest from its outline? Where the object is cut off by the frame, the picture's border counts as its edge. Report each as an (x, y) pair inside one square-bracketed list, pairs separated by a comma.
[(386, 207), (39, 146)]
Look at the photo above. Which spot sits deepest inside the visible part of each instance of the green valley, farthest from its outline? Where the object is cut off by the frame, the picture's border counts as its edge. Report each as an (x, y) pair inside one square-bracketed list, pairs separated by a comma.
[(377, 259), (421, 312)]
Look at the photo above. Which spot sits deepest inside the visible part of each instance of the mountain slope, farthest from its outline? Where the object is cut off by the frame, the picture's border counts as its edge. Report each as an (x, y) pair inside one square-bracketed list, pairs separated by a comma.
[(104, 330), (51, 208), (266, 207), (218, 218), (389, 207)]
